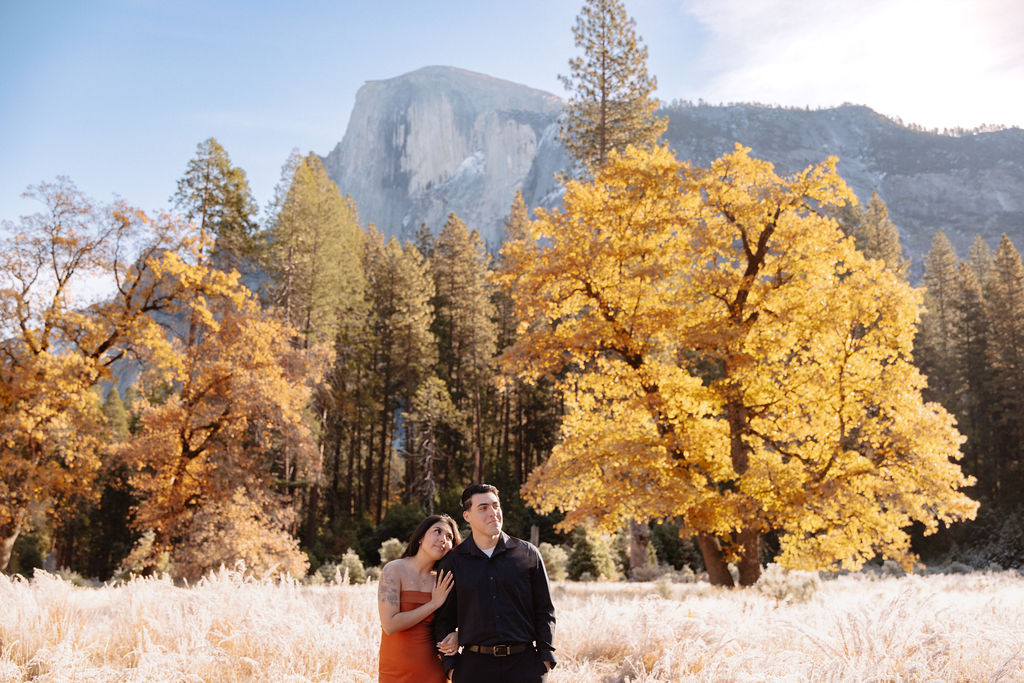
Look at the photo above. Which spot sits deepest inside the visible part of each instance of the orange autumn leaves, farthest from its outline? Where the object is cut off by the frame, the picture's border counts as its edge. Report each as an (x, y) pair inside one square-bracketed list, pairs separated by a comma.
[(728, 358), (225, 388)]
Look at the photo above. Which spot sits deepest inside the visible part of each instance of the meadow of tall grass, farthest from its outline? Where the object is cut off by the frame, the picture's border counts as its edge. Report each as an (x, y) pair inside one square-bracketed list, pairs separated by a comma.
[(857, 627)]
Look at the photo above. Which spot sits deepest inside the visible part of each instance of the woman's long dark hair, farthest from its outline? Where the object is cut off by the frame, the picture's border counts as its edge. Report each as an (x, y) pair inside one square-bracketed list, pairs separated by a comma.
[(421, 531)]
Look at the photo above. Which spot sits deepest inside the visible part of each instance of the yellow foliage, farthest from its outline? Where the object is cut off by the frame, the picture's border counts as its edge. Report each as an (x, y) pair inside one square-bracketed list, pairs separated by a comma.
[(727, 357), (234, 420), (238, 533), (55, 347), (234, 417)]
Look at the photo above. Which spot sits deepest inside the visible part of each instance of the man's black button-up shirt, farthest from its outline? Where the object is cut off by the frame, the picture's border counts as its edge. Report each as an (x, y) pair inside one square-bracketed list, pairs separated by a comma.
[(503, 599)]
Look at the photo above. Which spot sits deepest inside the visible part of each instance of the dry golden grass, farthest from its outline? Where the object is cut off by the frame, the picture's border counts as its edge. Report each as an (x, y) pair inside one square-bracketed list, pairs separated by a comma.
[(228, 628)]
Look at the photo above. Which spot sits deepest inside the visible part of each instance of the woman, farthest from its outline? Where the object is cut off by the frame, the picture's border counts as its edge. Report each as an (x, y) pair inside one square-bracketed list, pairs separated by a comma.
[(408, 595)]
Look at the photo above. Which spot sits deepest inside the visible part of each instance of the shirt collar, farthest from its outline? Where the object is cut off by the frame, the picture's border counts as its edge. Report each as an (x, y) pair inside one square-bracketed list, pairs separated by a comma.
[(469, 546)]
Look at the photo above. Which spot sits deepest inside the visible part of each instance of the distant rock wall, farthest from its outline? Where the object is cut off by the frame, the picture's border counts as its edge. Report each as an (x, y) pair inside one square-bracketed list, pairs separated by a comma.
[(442, 140)]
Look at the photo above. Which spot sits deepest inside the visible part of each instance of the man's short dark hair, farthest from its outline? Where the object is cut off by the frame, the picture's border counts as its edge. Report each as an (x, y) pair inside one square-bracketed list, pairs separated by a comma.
[(473, 489)]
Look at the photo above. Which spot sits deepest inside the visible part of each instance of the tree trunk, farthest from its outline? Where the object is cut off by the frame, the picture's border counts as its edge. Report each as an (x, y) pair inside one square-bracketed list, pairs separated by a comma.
[(714, 562), (410, 462), (312, 511), (749, 566), (750, 561), (478, 456), (8, 535), (639, 540), (383, 462), (521, 465)]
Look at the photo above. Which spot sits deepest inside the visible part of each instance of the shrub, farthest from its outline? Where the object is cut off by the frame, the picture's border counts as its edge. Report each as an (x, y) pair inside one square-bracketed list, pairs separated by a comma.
[(391, 549), (590, 558), (352, 567), (891, 568), (237, 530), (787, 587), (329, 572), (649, 572), (675, 547), (142, 556), (555, 560), (74, 578)]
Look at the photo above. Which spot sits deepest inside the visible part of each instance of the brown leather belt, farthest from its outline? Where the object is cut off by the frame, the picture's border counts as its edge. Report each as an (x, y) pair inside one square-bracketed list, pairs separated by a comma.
[(498, 650)]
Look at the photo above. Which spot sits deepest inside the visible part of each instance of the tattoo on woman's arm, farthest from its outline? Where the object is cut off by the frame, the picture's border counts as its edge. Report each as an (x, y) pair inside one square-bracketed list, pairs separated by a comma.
[(388, 590)]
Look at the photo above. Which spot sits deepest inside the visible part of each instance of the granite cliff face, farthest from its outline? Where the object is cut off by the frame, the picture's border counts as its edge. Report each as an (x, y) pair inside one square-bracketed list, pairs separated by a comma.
[(442, 140)]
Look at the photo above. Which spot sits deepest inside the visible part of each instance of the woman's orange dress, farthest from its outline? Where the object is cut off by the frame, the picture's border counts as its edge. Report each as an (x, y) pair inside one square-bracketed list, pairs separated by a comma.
[(410, 656)]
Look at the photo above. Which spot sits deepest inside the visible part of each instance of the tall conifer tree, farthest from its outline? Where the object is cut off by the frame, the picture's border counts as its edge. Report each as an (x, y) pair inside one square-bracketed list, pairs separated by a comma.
[(971, 335), (215, 195), (315, 254), (934, 343), (878, 237), (400, 290), (464, 324), (611, 103), (979, 258), (1005, 308)]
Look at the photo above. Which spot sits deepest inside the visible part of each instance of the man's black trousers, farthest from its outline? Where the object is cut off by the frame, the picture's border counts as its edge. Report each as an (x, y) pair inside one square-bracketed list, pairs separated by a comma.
[(525, 667)]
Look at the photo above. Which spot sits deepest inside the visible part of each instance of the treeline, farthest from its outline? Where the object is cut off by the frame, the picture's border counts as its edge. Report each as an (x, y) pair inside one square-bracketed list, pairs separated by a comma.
[(367, 364), (359, 388), (970, 344)]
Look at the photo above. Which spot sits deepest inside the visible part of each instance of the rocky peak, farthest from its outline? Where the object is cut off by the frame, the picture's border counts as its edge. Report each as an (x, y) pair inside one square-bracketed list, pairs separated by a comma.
[(442, 140)]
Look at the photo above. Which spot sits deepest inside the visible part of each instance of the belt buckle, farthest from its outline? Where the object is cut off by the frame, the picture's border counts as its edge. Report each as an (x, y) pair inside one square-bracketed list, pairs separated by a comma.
[(502, 650)]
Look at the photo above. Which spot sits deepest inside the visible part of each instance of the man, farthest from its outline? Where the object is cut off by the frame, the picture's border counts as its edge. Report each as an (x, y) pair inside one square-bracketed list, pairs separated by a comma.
[(501, 603)]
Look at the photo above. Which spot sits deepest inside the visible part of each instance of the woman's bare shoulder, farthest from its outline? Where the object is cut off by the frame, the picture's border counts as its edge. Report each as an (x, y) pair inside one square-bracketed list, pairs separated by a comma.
[(396, 569)]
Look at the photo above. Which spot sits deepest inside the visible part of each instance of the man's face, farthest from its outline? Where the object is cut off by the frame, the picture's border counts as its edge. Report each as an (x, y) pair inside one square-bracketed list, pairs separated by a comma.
[(484, 514)]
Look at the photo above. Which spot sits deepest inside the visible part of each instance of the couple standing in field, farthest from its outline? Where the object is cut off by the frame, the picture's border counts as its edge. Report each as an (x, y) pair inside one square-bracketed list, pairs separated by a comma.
[(489, 597)]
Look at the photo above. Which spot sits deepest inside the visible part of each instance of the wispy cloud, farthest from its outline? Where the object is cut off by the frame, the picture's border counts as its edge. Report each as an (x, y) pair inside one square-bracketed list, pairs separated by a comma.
[(938, 63)]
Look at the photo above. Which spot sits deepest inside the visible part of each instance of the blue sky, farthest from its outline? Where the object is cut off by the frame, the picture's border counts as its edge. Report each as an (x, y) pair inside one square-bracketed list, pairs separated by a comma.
[(117, 93)]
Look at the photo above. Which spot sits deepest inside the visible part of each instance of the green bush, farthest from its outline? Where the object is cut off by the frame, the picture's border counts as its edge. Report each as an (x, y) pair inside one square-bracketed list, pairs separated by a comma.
[(555, 560), (787, 587), (351, 564), (590, 558), (675, 547), (391, 549)]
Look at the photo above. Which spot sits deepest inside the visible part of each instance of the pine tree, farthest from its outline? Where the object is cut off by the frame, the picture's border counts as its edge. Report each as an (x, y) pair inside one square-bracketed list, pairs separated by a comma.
[(878, 237), (430, 411), (116, 414), (216, 196), (317, 280), (974, 377), (399, 290), (875, 235), (315, 254), (934, 344), (1004, 299), (464, 325), (610, 106), (979, 258)]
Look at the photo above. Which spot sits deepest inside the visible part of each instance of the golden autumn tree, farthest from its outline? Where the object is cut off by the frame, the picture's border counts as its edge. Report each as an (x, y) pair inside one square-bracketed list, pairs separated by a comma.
[(219, 446), (727, 358), (56, 345)]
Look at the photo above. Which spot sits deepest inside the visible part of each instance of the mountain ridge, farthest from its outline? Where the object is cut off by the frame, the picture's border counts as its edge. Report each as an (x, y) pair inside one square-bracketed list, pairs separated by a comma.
[(441, 139)]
